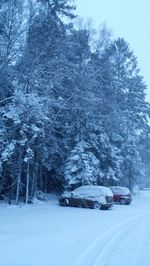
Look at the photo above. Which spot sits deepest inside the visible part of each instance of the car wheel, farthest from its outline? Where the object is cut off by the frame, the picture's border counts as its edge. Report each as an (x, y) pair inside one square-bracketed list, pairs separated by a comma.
[(96, 205), (123, 202), (65, 202), (128, 203)]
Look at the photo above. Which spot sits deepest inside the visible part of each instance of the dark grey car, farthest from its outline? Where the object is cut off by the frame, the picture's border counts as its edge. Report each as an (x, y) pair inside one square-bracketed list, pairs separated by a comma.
[(96, 197)]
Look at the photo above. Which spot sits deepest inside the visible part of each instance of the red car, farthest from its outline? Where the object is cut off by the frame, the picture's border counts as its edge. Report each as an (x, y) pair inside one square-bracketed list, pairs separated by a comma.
[(121, 195)]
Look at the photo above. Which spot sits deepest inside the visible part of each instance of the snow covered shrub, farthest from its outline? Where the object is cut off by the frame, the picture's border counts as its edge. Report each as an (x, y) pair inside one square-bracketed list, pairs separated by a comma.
[(41, 196)]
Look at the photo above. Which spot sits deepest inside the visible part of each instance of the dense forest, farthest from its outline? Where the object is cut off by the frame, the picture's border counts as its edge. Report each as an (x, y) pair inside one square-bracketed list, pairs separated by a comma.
[(72, 103)]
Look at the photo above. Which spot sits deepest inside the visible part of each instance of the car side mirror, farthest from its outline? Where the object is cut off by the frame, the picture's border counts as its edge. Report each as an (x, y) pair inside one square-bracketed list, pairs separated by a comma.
[(72, 194)]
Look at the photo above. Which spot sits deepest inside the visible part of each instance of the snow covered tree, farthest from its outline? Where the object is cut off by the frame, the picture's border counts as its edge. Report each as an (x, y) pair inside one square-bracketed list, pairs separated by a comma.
[(25, 119), (126, 98), (72, 113), (57, 8), (12, 38), (82, 167), (144, 149)]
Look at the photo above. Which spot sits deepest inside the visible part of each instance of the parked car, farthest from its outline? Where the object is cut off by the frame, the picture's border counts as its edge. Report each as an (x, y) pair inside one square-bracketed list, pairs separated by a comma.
[(97, 197), (121, 195)]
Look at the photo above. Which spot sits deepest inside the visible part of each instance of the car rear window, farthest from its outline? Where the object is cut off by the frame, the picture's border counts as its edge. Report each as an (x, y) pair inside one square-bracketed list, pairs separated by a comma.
[(121, 190)]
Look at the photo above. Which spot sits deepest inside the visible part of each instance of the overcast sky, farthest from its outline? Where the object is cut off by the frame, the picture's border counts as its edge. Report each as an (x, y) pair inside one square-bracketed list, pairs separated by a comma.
[(129, 19)]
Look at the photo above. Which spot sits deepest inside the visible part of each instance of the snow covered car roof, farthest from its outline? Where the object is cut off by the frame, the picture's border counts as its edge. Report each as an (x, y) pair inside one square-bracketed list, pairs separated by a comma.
[(95, 189), (118, 189)]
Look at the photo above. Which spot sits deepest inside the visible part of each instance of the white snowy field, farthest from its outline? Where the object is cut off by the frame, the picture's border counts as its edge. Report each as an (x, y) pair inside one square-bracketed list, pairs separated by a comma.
[(49, 235)]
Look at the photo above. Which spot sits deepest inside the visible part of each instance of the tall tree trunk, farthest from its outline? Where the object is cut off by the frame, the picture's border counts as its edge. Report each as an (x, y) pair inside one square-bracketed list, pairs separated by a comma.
[(40, 177), (18, 186), (10, 195), (19, 180), (34, 179), (27, 183)]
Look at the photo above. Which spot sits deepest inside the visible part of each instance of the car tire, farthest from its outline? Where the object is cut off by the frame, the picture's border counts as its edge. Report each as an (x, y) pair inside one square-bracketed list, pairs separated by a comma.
[(123, 202), (65, 202), (96, 205), (128, 203)]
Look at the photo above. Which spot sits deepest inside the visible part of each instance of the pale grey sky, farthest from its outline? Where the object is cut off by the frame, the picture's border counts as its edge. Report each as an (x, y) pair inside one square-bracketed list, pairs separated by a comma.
[(129, 19)]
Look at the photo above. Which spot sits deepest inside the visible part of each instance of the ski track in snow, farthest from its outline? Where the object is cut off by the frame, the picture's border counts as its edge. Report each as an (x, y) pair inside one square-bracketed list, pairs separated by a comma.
[(117, 244)]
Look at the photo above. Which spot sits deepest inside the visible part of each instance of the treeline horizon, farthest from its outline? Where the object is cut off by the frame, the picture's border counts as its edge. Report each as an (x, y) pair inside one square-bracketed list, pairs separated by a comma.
[(73, 107)]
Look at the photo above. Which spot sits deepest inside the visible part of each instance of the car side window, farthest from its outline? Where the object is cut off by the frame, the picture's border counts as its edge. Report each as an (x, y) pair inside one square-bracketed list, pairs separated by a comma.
[(77, 192), (82, 194)]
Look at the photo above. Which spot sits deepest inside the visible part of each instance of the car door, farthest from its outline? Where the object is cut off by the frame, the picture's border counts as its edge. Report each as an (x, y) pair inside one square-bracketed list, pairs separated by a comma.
[(75, 199), (88, 197), (84, 195)]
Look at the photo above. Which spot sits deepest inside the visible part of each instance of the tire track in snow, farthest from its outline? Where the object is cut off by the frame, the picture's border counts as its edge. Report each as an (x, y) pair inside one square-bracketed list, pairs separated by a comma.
[(121, 247), (131, 250), (104, 244)]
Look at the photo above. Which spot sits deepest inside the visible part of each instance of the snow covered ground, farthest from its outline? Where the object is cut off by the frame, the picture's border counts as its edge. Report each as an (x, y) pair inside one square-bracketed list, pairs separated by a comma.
[(45, 234)]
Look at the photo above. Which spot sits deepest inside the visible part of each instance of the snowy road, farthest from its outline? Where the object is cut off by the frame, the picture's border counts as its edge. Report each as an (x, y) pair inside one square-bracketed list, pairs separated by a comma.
[(49, 235)]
